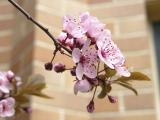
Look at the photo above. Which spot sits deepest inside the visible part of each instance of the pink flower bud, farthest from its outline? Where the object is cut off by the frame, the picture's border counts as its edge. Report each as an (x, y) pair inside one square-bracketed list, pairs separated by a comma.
[(10, 75), (82, 86), (112, 99), (90, 107), (28, 109), (62, 37), (59, 67), (48, 66), (18, 81)]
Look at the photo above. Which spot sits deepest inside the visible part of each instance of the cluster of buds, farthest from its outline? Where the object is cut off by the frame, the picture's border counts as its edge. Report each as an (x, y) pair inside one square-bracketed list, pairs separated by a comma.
[(90, 44)]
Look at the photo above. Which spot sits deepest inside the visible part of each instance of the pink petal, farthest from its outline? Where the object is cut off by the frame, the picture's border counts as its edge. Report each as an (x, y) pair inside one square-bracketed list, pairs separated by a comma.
[(90, 70), (123, 71), (86, 45), (62, 37), (91, 54), (69, 42), (78, 32), (84, 16), (76, 54), (107, 62), (79, 71), (68, 24), (82, 86)]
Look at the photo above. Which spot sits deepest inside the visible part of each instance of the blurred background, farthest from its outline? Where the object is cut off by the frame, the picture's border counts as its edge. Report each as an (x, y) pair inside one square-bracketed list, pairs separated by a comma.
[(135, 26)]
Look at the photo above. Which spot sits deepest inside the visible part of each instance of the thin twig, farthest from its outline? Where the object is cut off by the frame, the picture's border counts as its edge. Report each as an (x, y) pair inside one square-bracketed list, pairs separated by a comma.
[(94, 93), (29, 17), (62, 52)]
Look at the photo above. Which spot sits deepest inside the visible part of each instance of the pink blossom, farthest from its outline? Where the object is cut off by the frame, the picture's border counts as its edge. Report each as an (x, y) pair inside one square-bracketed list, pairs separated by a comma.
[(110, 54), (85, 59), (91, 24), (62, 37), (5, 84), (10, 75), (7, 107), (82, 86), (72, 27)]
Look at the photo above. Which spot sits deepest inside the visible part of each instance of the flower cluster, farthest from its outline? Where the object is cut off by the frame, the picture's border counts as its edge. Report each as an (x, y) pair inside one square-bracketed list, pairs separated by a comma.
[(91, 45), (14, 94), (86, 40), (7, 103)]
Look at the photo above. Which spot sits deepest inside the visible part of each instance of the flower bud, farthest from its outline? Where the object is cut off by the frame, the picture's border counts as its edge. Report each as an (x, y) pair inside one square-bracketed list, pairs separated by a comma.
[(73, 72), (59, 67), (90, 107), (27, 109), (48, 66), (62, 37), (112, 99), (82, 86), (10, 75), (18, 81)]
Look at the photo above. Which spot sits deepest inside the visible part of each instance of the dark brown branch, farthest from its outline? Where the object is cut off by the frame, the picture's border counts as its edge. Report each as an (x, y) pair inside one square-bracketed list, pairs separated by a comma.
[(56, 43)]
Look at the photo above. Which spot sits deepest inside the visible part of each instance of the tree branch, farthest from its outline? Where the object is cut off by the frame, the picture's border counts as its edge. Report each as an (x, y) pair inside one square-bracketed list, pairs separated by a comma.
[(29, 17)]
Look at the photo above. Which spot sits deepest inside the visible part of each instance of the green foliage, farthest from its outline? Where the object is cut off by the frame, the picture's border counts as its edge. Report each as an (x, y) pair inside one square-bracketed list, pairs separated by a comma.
[(109, 72), (106, 88), (127, 85), (135, 76), (34, 86)]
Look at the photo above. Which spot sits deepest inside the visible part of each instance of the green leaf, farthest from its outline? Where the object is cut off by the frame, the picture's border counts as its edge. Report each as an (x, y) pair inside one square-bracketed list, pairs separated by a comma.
[(102, 77), (34, 86), (128, 86), (41, 95), (109, 72), (21, 99), (134, 76), (34, 80), (106, 88)]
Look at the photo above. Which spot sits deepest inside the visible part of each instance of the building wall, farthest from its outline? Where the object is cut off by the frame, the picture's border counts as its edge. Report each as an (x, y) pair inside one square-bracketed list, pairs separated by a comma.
[(16, 39), (127, 19)]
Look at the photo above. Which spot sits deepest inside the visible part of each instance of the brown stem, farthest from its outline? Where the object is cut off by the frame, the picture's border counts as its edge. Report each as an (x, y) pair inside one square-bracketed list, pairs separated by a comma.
[(56, 43), (94, 93)]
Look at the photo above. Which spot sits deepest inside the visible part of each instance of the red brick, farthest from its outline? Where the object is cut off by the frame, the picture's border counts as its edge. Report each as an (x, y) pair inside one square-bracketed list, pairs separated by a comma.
[(132, 44), (142, 101), (64, 100), (5, 56), (5, 41), (139, 62), (103, 105), (25, 42), (6, 9), (150, 116), (45, 55), (132, 25), (76, 117), (119, 11), (97, 1), (6, 24), (52, 20), (40, 114)]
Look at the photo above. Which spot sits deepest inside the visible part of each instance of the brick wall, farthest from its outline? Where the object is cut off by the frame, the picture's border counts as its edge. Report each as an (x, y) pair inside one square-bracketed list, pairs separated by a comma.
[(128, 23), (127, 19), (16, 39)]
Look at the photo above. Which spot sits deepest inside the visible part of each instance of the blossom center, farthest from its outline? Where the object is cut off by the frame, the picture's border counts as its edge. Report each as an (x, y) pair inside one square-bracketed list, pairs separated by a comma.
[(82, 59)]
